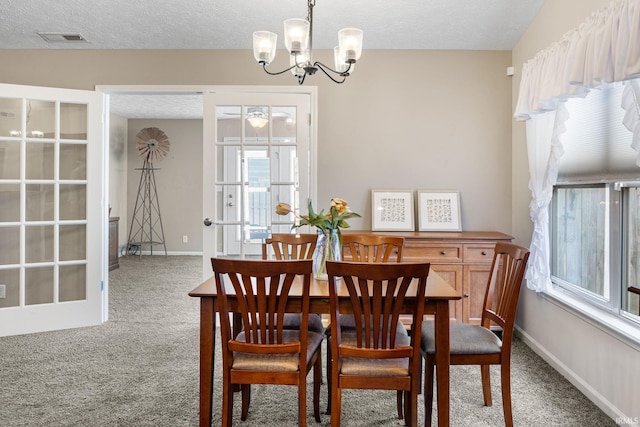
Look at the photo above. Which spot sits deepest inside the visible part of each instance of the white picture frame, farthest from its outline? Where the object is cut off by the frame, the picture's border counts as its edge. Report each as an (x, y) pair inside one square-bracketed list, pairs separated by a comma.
[(439, 210), (392, 210)]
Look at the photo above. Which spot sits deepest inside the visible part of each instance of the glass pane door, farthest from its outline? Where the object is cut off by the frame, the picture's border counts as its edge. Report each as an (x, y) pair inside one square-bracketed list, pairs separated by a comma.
[(256, 155), (44, 211)]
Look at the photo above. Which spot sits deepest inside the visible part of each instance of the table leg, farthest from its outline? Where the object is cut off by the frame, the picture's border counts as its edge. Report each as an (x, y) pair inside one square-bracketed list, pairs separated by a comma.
[(442, 360), (207, 351)]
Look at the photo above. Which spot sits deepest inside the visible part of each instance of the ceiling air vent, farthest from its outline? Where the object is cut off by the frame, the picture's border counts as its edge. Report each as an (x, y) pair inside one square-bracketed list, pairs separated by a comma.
[(63, 37)]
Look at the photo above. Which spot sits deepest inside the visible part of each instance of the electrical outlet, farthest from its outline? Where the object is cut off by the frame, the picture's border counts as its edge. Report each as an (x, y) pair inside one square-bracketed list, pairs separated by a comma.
[(185, 239), (3, 291)]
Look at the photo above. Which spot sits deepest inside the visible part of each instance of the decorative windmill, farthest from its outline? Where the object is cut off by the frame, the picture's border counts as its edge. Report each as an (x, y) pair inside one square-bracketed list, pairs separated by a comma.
[(146, 224)]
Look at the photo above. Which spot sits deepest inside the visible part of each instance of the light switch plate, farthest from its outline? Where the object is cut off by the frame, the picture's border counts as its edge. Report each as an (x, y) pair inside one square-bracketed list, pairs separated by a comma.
[(3, 291)]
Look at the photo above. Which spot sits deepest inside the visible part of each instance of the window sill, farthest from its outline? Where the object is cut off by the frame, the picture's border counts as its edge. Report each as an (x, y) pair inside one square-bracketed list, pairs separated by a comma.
[(619, 328)]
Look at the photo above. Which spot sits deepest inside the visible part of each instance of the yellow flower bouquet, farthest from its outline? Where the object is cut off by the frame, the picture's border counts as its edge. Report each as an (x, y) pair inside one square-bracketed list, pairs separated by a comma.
[(329, 245), (335, 219)]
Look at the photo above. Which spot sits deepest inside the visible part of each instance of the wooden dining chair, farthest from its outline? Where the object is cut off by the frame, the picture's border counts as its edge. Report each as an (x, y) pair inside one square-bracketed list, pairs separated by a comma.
[(378, 353), (265, 352), (292, 247), (365, 248), (478, 344)]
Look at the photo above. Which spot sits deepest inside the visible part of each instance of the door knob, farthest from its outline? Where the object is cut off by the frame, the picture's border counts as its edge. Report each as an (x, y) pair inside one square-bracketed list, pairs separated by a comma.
[(208, 222)]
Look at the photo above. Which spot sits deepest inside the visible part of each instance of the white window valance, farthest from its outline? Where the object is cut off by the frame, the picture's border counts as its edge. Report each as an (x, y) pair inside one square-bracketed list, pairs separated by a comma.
[(603, 49)]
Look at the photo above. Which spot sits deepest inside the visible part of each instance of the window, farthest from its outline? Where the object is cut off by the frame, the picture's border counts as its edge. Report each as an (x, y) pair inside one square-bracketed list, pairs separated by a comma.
[(581, 239), (595, 211)]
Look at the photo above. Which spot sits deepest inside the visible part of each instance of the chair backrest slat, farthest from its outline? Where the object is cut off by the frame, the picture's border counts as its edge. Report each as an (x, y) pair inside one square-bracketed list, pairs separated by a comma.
[(504, 284), (373, 248), (290, 246)]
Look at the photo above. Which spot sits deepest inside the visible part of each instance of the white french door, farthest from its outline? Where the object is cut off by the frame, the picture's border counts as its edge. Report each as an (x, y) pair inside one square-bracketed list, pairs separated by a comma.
[(52, 211), (256, 154)]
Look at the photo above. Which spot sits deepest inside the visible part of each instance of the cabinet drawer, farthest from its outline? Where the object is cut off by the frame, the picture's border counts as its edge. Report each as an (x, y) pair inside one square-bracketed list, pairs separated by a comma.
[(436, 253), (478, 253)]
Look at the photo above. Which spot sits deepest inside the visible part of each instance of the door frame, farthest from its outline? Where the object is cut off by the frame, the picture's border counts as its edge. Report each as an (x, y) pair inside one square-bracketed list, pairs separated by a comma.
[(311, 91)]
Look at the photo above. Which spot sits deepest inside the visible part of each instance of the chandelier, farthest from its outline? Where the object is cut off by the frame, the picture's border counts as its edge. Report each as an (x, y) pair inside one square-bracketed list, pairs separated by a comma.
[(298, 38)]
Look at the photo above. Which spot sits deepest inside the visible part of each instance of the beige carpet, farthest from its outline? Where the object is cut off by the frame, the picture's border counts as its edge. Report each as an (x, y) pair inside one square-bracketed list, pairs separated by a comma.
[(141, 369)]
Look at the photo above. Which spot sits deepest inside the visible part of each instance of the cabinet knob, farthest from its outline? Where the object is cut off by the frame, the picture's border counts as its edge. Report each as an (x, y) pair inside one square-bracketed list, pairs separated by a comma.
[(465, 295), (443, 252), (484, 252)]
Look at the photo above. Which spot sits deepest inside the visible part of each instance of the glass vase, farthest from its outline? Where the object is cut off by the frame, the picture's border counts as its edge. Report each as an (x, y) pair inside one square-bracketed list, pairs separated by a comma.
[(328, 247)]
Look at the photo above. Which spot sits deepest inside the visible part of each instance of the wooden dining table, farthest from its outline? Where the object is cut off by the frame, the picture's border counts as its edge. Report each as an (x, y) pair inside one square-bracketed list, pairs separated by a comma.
[(438, 295)]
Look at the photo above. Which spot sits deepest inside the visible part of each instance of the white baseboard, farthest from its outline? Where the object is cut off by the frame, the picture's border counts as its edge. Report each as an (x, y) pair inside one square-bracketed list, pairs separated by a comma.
[(591, 393), (169, 253)]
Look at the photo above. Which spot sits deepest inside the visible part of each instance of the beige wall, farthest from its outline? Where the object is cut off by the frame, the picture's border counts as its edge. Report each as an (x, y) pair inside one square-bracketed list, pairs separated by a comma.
[(406, 119), (601, 364), (441, 124), (118, 129)]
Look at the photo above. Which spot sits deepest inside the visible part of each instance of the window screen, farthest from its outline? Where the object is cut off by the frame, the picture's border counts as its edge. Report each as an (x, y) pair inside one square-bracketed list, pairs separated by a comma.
[(597, 146)]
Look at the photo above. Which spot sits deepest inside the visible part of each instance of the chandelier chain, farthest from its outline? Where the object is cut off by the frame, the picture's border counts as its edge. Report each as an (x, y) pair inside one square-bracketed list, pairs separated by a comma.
[(310, 5)]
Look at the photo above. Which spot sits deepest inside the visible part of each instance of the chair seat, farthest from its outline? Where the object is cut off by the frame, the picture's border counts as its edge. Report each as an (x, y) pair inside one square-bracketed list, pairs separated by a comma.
[(465, 339), (292, 321), (376, 367), (347, 321), (275, 363)]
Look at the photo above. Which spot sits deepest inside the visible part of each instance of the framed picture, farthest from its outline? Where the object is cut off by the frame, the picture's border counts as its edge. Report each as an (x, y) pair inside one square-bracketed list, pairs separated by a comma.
[(439, 210), (392, 210)]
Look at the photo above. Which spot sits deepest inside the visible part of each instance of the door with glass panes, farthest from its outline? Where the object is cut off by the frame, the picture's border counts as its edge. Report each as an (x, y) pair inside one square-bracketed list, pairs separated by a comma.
[(52, 216), (256, 155)]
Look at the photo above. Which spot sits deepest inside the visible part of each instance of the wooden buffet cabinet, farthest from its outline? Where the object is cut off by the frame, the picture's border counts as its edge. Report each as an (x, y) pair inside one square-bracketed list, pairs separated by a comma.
[(462, 258)]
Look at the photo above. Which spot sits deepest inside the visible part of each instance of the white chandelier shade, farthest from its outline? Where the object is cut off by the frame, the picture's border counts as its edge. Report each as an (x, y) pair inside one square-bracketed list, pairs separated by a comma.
[(264, 46), (296, 35), (350, 43)]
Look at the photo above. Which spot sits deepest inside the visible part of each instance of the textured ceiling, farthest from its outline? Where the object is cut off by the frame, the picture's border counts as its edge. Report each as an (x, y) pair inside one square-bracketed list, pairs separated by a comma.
[(228, 24)]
